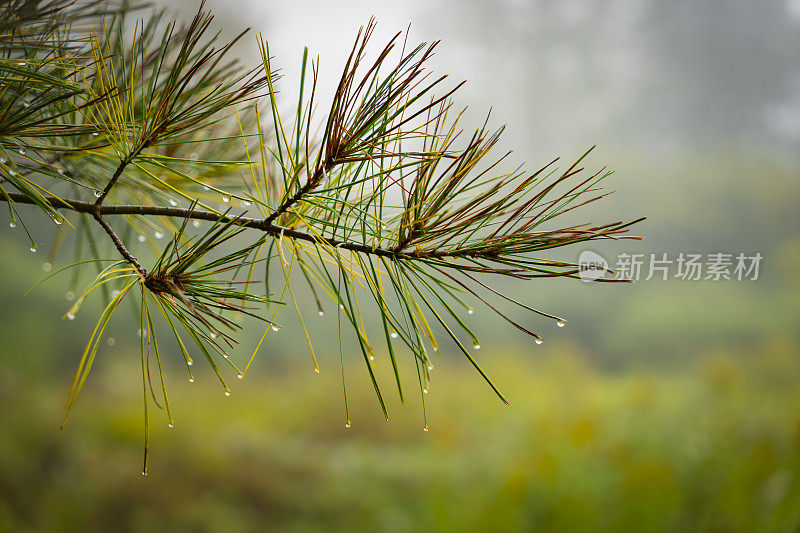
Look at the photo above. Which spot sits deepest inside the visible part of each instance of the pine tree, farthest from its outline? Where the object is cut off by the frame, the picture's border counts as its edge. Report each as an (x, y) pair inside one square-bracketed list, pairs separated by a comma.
[(118, 123)]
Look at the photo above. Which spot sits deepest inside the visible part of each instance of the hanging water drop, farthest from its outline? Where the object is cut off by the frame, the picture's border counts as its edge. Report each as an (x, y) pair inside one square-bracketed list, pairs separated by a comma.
[(239, 376), (205, 188), (246, 203), (435, 348), (98, 193), (227, 393), (538, 341), (476, 346), (226, 199), (321, 313), (470, 311), (276, 327), (22, 151), (70, 315), (34, 248), (47, 267), (424, 391), (158, 235), (70, 295), (191, 380), (26, 104), (561, 322), (316, 370), (115, 293), (172, 202), (393, 334), (2, 160), (95, 134), (189, 362), (141, 238), (196, 223), (430, 367), (58, 221), (341, 307), (111, 341), (213, 335), (371, 357), (12, 224), (171, 424), (21, 64), (347, 424)]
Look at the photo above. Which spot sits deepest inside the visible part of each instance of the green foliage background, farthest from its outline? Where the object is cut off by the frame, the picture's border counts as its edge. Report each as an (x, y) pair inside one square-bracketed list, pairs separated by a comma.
[(661, 407)]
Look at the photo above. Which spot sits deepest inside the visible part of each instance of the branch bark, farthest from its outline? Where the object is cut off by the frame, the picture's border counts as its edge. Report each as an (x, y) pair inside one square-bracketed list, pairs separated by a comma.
[(262, 224)]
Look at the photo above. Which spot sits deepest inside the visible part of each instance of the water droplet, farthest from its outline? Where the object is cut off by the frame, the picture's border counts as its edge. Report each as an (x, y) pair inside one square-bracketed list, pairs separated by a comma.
[(240, 376), (172, 202), (425, 428), (225, 355), (430, 367), (435, 348), (2, 160), (115, 293), (561, 322), (476, 346), (246, 203), (144, 472), (276, 327), (227, 393), (191, 380), (226, 199), (171, 424), (21, 64), (347, 424), (95, 134), (424, 391), (371, 357), (470, 311), (158, 235), (538, 341), (321, 313), (341, 307), (47, 267), (22, 151), (70, 315), (196, 223), (98, 193), (70, 295), (206, 188), (34, 248), (141, 238), (189, 362), (26, 104), (111, 341), (58, 221), (316, 370), (393, 334), (213, 335), (12, 224), (61, 171)]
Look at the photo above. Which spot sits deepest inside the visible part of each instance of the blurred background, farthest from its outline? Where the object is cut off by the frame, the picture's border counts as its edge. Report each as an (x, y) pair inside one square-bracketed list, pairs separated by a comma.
[(663, 405)]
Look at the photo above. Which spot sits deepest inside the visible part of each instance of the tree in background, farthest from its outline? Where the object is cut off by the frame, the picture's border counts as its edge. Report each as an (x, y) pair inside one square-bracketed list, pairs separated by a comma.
[(142, 136)]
